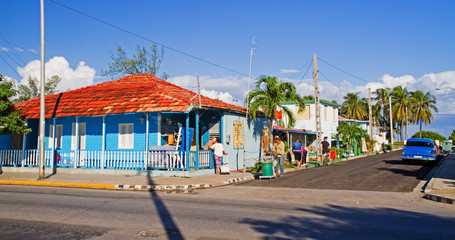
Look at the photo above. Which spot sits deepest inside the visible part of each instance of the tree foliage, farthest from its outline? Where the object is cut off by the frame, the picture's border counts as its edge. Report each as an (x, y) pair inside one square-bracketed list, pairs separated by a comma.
[(354, 107), (452, 136), (32, 88), (430, 135), (349, 132), (145, 60), (10, 122), (270, 94)]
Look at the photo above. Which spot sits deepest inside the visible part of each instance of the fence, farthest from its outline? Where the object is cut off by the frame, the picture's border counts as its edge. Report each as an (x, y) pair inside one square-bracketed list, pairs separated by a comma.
[(125, 160)]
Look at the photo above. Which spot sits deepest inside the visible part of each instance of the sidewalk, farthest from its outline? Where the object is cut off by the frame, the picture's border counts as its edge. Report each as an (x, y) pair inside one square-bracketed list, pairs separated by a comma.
[(11, 176), (441, 187)]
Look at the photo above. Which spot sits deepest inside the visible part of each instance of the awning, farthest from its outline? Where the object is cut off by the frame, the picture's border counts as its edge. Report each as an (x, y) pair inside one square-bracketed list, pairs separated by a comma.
[(293, 130)]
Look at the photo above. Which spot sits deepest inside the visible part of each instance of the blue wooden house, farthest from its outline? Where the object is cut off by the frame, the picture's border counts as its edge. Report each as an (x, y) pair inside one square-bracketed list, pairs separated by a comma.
[(137, 122)]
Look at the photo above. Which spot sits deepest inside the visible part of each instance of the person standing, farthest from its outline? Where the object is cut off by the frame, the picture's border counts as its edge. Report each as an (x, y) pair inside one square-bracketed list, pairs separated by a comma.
[(278, 152), (218, 152), (296, 150)]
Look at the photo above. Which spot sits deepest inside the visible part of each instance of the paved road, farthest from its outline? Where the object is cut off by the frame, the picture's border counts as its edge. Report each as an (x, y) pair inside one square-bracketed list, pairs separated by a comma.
[(220, 213), (382, 172)]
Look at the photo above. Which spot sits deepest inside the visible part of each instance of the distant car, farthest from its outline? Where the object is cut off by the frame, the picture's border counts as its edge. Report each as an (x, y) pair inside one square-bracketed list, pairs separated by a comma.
[(419, 149)]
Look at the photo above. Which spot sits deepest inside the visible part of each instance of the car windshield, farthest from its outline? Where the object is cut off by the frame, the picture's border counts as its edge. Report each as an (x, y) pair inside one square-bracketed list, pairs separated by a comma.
[(419, 144)]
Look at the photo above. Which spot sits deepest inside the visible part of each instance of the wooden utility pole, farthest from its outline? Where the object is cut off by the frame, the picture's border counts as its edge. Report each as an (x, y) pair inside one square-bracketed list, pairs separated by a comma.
[(391, 123), (42, 120), (317, 107), (370, 114), (199, 91)]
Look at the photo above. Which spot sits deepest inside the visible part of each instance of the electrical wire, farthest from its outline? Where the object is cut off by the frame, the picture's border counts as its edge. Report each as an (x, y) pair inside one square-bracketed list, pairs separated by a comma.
[(7, 42), (9, 64), (147, 39), (308, 68), (352, 75), (309, 62)]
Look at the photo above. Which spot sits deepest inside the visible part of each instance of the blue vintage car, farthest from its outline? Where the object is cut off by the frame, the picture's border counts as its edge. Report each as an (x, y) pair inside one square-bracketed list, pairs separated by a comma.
[(419, 149)]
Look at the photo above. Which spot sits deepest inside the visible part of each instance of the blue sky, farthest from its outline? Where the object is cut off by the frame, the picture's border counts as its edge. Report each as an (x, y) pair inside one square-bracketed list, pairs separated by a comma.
[(384, 43)]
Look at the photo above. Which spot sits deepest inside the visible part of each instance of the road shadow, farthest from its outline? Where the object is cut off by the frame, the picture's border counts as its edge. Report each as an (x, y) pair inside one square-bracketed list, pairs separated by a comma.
[(339, 222), (171, 229)]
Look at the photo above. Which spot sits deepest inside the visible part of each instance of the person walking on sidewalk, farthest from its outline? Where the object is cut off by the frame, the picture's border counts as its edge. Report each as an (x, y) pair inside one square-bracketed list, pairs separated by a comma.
[(218, 152), (296, 150), (278, 152)]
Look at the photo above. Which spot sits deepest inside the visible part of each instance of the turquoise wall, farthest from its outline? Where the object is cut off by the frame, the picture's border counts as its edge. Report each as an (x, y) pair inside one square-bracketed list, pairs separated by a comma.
[(94, 131)]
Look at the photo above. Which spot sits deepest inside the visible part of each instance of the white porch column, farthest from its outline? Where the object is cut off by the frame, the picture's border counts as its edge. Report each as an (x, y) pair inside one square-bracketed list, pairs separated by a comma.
[(103, 146), (76, 148)]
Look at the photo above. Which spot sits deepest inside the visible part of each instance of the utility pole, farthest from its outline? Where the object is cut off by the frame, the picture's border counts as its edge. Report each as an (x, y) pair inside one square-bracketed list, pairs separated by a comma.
[(247, 102), (199, 91), (318, 107), (391, 123), (407, 133), (42, 120), (370, 114)]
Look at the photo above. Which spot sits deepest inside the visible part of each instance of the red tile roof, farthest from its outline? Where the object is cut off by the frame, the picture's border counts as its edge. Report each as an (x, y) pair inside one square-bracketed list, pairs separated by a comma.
[(134, 93)]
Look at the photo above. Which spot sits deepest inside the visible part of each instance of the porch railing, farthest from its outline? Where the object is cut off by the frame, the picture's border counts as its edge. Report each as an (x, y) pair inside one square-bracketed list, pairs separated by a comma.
[(131, 160)]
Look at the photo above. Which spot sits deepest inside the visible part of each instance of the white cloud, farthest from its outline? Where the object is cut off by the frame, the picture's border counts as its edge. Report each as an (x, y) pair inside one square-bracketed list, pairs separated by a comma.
[(18, 49), (288, 71), (80, 77), (228, 89), (231, 88), (4, 49)]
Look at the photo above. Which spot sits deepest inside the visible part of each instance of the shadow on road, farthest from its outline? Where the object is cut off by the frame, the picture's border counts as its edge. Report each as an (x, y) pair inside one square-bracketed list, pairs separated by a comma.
[(338, 222), (171, 229)]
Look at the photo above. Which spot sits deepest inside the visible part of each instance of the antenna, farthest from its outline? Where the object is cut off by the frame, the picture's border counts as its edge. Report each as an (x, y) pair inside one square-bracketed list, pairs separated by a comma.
[(253, 42)]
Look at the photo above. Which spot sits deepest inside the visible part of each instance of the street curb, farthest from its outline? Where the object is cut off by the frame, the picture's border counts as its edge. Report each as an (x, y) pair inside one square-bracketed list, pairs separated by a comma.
[(57, 184), (239, 179), (440, 199), (123, 187)]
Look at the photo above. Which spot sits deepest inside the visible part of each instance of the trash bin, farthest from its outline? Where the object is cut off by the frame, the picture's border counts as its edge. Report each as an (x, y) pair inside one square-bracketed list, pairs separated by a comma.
[(447, 146), (267, 169)]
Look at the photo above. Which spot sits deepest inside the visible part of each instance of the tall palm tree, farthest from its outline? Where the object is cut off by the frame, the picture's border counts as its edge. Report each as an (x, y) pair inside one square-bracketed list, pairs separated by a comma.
[(269, 94), (400, 102), (382, 104), (353, 107), (422, 105)]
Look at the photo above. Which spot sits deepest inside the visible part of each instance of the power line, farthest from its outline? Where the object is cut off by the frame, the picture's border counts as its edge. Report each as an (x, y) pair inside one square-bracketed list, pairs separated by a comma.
[(7, 42), (352, 75), (309, 62), (305, 72), (146, 39), (9, 64)]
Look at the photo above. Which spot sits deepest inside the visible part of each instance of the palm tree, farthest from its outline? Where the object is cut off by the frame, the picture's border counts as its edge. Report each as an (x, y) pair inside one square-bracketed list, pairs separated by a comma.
[(382, 104), (400, 101), (269, 94), (423, 103), (353, 107), (351, 132)]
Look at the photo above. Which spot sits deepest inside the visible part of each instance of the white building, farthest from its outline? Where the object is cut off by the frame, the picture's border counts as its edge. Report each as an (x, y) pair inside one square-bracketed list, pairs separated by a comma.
[(306, 119)]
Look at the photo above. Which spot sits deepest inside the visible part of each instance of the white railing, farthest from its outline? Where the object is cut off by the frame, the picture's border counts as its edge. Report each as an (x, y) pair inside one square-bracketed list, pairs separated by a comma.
[(18, 157), (157, 159)]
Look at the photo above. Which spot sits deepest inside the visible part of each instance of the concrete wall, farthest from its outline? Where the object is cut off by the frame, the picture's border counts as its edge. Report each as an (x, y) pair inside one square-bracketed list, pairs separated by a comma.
[(5, 141), (252, 141), (329, 125), (94, 131)]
